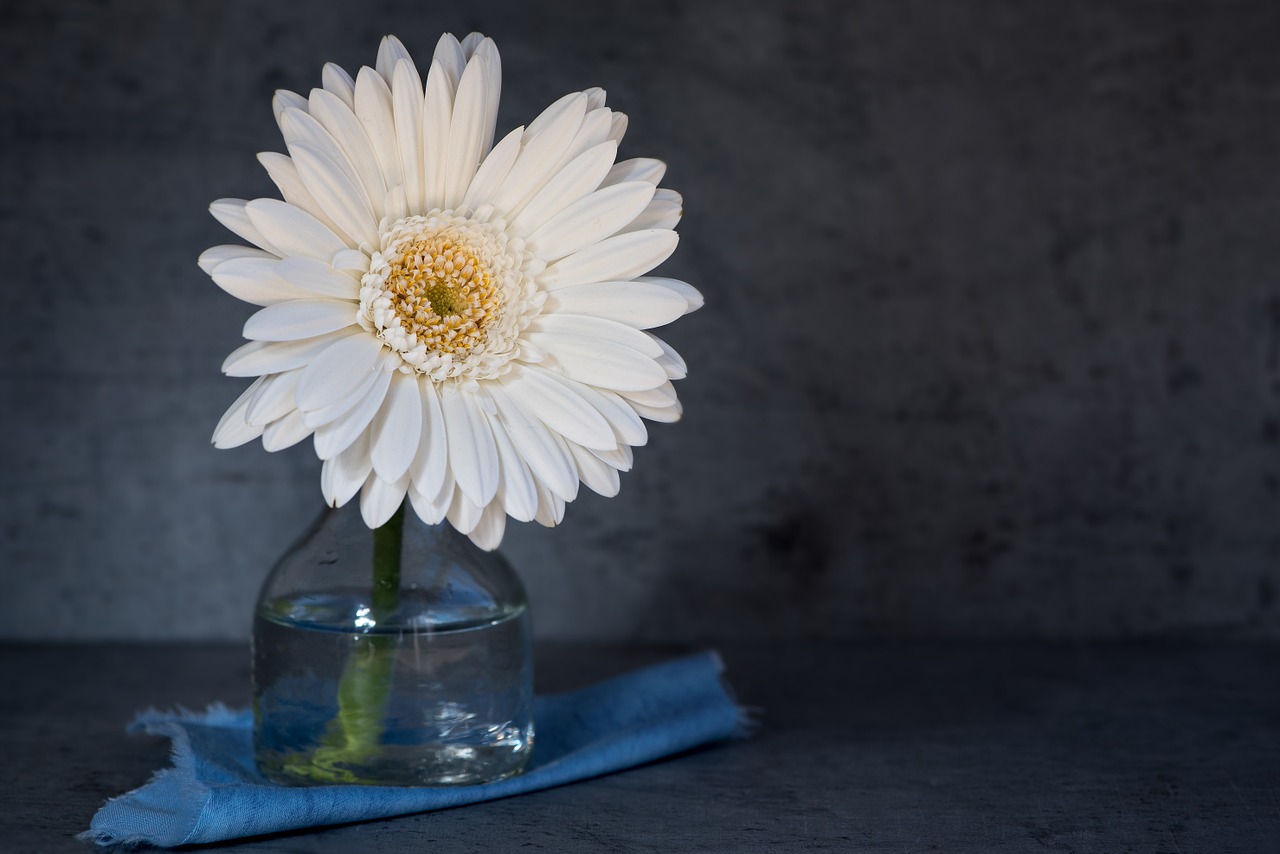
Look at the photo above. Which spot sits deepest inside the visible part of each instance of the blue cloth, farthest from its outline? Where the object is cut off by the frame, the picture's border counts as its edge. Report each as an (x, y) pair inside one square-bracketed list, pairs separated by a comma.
[(213, 793)]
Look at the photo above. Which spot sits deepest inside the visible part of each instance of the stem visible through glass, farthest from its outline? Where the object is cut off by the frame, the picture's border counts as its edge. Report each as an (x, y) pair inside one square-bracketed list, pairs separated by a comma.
[(364, 690), (387, 543)]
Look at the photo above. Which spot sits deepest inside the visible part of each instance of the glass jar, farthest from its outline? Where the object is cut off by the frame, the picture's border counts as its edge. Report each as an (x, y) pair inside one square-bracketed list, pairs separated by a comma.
[(424, 678)]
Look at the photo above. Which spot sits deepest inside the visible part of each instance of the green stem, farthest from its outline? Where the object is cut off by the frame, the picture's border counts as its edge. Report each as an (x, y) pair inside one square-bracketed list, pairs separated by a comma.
[(388, 541), (364, 690)]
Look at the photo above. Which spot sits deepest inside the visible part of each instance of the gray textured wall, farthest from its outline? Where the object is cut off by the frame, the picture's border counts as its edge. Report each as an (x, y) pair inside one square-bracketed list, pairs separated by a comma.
[(991, 345)]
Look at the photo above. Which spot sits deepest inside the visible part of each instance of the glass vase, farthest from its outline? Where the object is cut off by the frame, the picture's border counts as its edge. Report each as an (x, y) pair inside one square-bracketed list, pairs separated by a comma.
[(416, 673)]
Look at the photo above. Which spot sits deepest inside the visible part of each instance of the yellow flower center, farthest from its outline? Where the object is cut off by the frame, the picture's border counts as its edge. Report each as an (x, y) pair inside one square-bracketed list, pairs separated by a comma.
[(450, 294), (443, 293)]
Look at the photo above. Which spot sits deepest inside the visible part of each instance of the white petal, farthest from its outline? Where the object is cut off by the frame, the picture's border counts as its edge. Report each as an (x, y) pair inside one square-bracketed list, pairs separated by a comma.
[(493, 171), (544, 142), (517, 491), (659, 398), (452, 58), (396, 204), (406, 100), (342, 476), (627, 426), (487, 52), (473, 458), (234, 433), (292, 230), (620, 459), (663, 212), (428, 510), (618, 258), (635, 169), (233, 215), (215, 255), (281, 169), (432, 509), (232, 430), (338, 371), (249, 353), (263, 357), (558, 407), (597, 327), (589, 133), (619, 129), (379, 500), (273, 399), (285, 432), (340, 121), (301, 318), (597, 362), (437, 117), (671, 361), (337, 435), (599, 477), (640, 305), (596, 97), (390, 52), (254, 280), (464, 514), (487, 534), (397, 428), (351, 261), (374, 110), (591, 219), (317, 418), (550, 508), (317, 278), (573, 182), (593, 131), (339, 82), (284, 100), (575, 102), (468, 136), (431, 463), (691, 294), (563, 446), (302, 127), (339, 194), (536, 445), (666, 415)]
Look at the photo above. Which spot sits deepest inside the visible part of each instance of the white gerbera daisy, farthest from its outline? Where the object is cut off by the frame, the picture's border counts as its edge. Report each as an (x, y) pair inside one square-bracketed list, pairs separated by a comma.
[(455, 322)]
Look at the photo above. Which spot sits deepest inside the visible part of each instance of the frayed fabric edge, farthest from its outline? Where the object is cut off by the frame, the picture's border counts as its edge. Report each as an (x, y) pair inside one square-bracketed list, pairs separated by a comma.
[(748, 716), (216, 715), (182, 773)]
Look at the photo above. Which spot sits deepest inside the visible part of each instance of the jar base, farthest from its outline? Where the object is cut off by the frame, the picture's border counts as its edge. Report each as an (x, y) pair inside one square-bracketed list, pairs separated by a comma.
[(397, 765)]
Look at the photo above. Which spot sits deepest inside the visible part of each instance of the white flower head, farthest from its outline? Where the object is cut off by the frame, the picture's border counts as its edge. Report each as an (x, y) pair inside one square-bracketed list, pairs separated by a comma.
[(458, 323)]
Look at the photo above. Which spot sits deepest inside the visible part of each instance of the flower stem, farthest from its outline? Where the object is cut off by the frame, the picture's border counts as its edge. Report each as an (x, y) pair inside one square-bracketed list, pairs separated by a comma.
[(387, 543), (364, 690)]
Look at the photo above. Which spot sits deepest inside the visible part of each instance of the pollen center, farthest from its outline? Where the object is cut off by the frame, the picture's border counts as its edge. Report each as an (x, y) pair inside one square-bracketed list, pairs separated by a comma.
[(450, 294), (443, 300), (444, 295)]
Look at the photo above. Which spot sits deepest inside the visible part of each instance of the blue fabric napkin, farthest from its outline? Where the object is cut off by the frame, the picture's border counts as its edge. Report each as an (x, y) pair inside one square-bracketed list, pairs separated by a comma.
[(213, 793)]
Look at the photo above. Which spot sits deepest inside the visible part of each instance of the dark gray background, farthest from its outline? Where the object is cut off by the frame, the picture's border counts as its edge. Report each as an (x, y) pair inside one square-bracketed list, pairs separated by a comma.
[(991, 344)]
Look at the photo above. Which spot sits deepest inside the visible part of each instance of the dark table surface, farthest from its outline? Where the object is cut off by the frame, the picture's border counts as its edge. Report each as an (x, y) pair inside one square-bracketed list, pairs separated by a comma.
[(875, 748)]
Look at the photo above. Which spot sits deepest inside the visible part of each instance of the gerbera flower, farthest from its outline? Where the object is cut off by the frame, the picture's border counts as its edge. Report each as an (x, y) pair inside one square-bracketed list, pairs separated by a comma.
[(458, 323)]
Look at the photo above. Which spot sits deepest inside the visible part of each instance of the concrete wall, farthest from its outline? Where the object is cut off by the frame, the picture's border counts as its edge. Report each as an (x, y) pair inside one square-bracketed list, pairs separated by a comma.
[(991, 344)]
